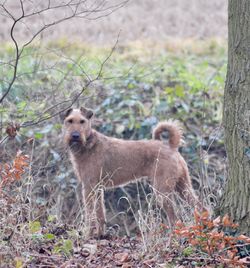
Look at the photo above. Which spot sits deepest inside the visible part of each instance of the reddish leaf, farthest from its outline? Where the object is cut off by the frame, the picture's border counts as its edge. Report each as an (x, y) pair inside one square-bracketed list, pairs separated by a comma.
[(217, 221), (244, 238), (226, 221)]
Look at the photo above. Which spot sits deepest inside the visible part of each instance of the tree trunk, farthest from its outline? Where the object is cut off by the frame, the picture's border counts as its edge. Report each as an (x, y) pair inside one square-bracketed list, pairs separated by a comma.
[(236, 118)]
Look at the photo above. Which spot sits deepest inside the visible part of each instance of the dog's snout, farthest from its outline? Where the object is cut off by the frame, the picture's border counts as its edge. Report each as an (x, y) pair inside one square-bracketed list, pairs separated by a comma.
[(75, 136)]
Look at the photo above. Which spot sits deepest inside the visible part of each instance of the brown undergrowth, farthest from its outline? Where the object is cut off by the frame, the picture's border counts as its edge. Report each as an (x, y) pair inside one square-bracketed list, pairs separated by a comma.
[(12, 172), (210, 241), (26, 242)]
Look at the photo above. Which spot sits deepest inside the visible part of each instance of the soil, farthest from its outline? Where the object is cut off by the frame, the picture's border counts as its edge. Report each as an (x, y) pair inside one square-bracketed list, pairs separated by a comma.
[(137, 20)]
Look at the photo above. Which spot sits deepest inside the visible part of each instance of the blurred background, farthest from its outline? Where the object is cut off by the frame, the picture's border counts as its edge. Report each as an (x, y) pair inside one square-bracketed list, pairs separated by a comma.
[(155, 20)]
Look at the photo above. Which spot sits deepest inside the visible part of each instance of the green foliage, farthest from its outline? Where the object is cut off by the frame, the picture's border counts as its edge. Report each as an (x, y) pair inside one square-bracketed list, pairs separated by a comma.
[(137, 87), (35, 229), (133, 85), (34, 226), (49, 236), (64, 247), (188, 251)]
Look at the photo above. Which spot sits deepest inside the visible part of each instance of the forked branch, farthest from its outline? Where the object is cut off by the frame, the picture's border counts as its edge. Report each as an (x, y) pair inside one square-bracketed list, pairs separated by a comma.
[(30, 10)]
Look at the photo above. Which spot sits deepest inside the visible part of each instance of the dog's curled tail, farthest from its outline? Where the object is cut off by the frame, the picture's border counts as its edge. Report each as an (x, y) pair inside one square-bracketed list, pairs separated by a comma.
[(174, 132)]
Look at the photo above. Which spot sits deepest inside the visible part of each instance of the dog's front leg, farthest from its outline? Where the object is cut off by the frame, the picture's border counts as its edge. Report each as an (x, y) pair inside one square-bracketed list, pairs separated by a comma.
[(100, 213), (94, 210)]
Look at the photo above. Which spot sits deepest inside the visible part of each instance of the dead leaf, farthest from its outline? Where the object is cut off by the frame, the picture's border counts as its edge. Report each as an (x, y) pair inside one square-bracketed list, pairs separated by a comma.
[(122, 257), (12, 129), (89, 248), (126, 265)]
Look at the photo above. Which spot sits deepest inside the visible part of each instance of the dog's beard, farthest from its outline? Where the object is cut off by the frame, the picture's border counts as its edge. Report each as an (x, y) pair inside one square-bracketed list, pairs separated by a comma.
[(76, 146)]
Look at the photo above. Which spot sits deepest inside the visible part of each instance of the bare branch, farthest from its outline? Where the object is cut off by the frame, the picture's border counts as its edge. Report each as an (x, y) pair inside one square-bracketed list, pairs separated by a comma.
[(75, 9), (22, 8), (3, 139), (16, 60), (77, 96)]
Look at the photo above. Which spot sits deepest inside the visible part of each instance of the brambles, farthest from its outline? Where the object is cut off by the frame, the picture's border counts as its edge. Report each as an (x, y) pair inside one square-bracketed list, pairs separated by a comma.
[(209, 241)]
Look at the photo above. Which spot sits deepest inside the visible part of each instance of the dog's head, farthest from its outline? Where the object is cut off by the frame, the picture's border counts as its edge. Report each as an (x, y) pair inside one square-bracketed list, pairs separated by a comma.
[(77, 127)]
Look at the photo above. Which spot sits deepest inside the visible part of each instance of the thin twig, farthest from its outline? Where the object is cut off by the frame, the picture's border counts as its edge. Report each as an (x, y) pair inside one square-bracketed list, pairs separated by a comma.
[(77, 9)]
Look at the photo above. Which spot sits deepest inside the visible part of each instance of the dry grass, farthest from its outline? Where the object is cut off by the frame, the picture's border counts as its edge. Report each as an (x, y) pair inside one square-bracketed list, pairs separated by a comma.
[(27, 240)]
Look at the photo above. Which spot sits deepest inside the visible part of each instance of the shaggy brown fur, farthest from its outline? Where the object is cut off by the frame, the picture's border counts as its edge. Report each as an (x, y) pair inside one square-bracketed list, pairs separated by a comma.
[(100, 161)]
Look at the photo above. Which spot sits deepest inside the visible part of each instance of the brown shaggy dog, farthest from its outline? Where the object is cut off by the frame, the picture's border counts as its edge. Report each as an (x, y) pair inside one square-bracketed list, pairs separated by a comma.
[(103, 162)]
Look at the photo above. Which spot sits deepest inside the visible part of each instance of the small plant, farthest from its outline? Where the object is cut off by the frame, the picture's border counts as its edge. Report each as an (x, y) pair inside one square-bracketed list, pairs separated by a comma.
[(211, 239), (10, 173), (64, 247)]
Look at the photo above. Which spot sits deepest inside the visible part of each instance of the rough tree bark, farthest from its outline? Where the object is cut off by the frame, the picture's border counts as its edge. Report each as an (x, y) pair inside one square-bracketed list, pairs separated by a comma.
[(236, 198)]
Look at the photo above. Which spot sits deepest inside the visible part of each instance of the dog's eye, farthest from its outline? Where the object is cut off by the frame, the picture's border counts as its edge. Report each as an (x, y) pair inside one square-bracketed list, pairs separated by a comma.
[(70, 121), (82, 121)]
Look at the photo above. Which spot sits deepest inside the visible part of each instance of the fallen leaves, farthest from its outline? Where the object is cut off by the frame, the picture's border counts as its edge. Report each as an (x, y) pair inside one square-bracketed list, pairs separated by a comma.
[(121, 252), (122, 258)]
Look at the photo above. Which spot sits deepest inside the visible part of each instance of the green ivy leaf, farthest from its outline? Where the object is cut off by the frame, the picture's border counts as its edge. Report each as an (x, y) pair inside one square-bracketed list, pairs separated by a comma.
[(179, 91), (34, 226), (38, 135), (49, 236), (187, 251)]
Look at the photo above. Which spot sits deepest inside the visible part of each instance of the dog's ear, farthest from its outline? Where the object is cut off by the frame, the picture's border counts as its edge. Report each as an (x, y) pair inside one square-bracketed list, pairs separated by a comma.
[(88, 113), (65, 114)]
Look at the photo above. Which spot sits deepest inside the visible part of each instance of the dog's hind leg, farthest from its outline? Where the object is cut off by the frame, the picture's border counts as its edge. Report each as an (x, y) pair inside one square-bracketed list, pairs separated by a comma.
[(164, 197), (185, 190)]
